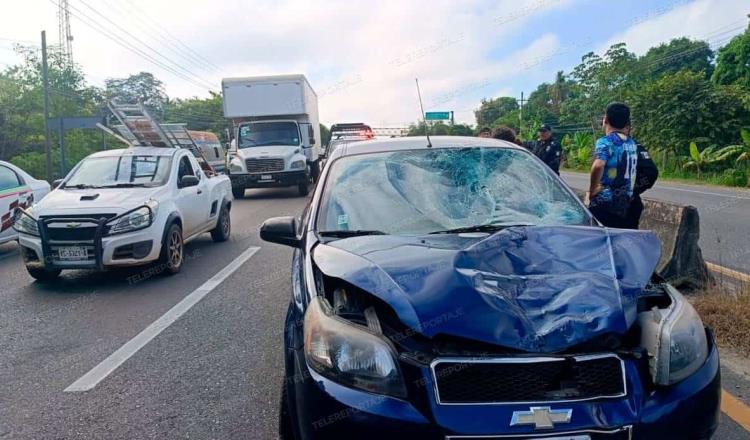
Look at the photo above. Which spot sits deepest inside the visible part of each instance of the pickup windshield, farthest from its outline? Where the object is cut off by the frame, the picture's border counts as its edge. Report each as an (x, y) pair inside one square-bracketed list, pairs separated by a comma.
[(120, 171), (262, 134), (443, 191)]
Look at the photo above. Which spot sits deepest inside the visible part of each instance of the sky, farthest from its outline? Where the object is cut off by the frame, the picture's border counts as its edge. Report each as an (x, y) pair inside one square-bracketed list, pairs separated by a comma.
[(362, 57)]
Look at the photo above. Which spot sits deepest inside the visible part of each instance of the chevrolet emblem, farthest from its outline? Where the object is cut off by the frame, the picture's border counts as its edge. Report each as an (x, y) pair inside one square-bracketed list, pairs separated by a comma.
[(73, 225), (542, 417)]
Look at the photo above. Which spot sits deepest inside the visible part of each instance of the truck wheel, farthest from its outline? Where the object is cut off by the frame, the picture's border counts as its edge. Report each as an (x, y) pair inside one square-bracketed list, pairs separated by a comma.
[(42, 274), (315, 170), (303, 188), (172, 250), (223, 226), (238, 192)]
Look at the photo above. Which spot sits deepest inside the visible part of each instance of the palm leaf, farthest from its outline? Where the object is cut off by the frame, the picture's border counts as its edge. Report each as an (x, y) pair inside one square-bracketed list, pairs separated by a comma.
[(694, 153), (745, 133)]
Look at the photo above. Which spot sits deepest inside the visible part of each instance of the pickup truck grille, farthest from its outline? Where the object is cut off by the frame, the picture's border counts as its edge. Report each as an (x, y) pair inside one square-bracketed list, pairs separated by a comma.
[(77, 228), (264, 165), (528, 380)]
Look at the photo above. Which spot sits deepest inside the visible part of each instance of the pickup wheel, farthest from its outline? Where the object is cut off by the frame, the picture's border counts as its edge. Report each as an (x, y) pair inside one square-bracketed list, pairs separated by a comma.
[(238, 192), (223, 226), (42, 274), (172, 250)]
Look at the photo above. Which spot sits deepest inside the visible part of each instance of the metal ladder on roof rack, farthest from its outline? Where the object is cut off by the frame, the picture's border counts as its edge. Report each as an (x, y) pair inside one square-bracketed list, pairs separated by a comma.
[(140, 129)]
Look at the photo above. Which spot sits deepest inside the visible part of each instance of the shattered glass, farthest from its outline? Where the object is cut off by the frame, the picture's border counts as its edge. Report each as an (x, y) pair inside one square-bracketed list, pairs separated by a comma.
[(421, 191)]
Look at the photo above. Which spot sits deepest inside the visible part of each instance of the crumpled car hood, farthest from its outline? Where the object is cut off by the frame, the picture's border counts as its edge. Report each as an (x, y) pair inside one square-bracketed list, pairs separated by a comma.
[(536, 289)]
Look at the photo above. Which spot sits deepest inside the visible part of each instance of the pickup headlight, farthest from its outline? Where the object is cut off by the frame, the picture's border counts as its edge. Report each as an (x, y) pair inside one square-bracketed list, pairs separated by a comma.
[(675, 340), (26, 224), (139, 218), (350, 354), (298, 165)]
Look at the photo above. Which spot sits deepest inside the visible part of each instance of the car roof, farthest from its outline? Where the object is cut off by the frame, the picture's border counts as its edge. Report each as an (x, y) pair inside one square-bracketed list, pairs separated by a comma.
[(137, 151), (419, 142)]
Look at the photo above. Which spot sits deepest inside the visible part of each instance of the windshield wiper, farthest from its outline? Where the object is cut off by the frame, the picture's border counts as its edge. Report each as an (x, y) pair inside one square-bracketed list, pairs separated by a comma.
[(487, 227), (124, 185), (349, 233), (81, 186)]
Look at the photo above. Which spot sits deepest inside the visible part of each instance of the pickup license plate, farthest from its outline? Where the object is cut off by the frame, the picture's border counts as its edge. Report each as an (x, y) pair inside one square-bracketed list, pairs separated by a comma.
[(73, 253), (266, 177)]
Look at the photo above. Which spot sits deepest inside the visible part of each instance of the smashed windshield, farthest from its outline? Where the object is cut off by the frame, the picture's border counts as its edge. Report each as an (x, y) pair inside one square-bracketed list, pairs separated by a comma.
[(260, 134), (120, 171), (429, 191)]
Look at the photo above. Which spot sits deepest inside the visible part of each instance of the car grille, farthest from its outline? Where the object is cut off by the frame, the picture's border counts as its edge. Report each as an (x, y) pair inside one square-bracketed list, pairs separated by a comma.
[(61, 228), (264, 165), (528, 380)]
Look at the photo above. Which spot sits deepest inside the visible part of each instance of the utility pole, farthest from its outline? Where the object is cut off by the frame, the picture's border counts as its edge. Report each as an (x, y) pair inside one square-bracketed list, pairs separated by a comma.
[(45, 76), (520, 114)]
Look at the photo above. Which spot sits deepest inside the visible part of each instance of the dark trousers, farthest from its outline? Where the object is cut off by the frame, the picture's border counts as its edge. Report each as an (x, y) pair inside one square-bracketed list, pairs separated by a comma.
[(634, 213), (607, 217)]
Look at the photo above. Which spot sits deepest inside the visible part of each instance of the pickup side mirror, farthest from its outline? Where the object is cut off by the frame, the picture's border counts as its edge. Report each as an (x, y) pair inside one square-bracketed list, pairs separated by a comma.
[(188, 181), (56, 183), (281, 230)]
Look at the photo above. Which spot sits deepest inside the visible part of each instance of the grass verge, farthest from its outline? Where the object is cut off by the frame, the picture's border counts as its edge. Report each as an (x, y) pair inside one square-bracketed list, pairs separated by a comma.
[(727, 312)]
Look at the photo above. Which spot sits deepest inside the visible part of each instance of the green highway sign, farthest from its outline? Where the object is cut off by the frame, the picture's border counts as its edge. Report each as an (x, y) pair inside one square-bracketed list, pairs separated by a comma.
[(437, 116)]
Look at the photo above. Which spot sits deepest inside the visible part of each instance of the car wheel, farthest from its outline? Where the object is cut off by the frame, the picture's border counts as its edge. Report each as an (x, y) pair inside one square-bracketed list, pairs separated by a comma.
[(42, 274), (315, 170), (304, 187), (286, 430), (223, 226), (238, 192), (172, 250)]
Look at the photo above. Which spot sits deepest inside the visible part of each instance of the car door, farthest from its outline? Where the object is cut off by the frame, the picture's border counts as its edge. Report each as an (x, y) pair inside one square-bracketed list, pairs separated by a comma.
[(190, 199), (14, 194)]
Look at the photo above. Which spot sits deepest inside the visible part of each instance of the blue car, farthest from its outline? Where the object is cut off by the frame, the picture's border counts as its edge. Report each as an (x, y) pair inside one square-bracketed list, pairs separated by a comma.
[(455, 288)]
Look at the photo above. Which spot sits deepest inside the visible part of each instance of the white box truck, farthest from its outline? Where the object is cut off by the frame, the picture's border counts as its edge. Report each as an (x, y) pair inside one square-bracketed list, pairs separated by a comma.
[(276, 132)]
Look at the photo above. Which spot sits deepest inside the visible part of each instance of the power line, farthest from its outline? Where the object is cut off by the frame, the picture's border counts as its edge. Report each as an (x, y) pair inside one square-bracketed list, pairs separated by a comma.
[(147, 46), (88, 21)]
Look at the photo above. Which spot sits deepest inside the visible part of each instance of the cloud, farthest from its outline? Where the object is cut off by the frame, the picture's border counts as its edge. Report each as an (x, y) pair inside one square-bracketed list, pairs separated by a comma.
[(713, 20)]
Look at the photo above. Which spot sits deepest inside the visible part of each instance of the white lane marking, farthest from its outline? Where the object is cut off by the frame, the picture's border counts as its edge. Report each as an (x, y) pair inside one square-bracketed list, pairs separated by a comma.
[(665, 187), (107, 366)]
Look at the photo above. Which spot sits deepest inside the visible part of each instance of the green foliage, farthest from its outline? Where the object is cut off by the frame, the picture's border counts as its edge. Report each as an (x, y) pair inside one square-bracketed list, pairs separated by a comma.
[(325, 135), (733, 62), (678, 54), (201, 114), (141, 88), (490, 110)]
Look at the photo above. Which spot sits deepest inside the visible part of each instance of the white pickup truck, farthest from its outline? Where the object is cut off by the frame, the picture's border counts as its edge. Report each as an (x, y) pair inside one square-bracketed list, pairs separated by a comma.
[(124, 208)]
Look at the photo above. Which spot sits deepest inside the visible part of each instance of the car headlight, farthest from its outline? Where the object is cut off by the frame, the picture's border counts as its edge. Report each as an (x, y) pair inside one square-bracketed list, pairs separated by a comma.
[(139, 218), (298, 165), (26, 223), (350, 354), (675, 340), (235, 164)]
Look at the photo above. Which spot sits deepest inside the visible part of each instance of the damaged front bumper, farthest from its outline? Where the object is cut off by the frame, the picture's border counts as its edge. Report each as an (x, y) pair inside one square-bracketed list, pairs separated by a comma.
[(688, 409)]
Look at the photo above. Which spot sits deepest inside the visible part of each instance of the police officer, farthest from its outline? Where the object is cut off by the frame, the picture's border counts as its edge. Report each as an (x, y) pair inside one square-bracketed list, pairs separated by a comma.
[(546, 148)]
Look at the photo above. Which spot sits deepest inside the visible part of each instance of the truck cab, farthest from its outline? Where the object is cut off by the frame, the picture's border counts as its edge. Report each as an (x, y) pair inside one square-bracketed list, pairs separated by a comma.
[(276, 133)]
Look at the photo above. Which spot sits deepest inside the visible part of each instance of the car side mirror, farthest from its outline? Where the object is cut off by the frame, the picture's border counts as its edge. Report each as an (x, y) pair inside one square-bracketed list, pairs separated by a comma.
[(188, 181), (56, 183), (281, 230)]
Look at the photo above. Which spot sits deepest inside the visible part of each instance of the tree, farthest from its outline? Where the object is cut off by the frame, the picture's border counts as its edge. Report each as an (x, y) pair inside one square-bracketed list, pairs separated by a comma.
[(700, 160), (202, 114), (141, 88), (670, 112), (733, 62), (492, 109), (678, 54), (325, 135)]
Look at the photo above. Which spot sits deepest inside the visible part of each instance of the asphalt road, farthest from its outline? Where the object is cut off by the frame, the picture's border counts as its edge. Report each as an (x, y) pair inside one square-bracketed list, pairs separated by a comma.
[(214, 373), (724, 216)]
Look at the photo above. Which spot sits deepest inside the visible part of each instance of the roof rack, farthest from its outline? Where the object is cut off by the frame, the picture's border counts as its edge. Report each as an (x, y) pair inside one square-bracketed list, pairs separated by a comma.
[(140, 129)]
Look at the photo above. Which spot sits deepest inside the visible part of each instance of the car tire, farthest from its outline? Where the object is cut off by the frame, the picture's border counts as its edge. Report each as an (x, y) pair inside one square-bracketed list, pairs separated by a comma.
[(286, 430), (223, 226), (42, 274), (238, 192), (304, 186), (172, 250)]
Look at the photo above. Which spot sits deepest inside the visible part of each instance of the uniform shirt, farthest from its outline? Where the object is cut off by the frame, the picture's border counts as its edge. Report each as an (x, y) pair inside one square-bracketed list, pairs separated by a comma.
[(549, 151), (619, 153)]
